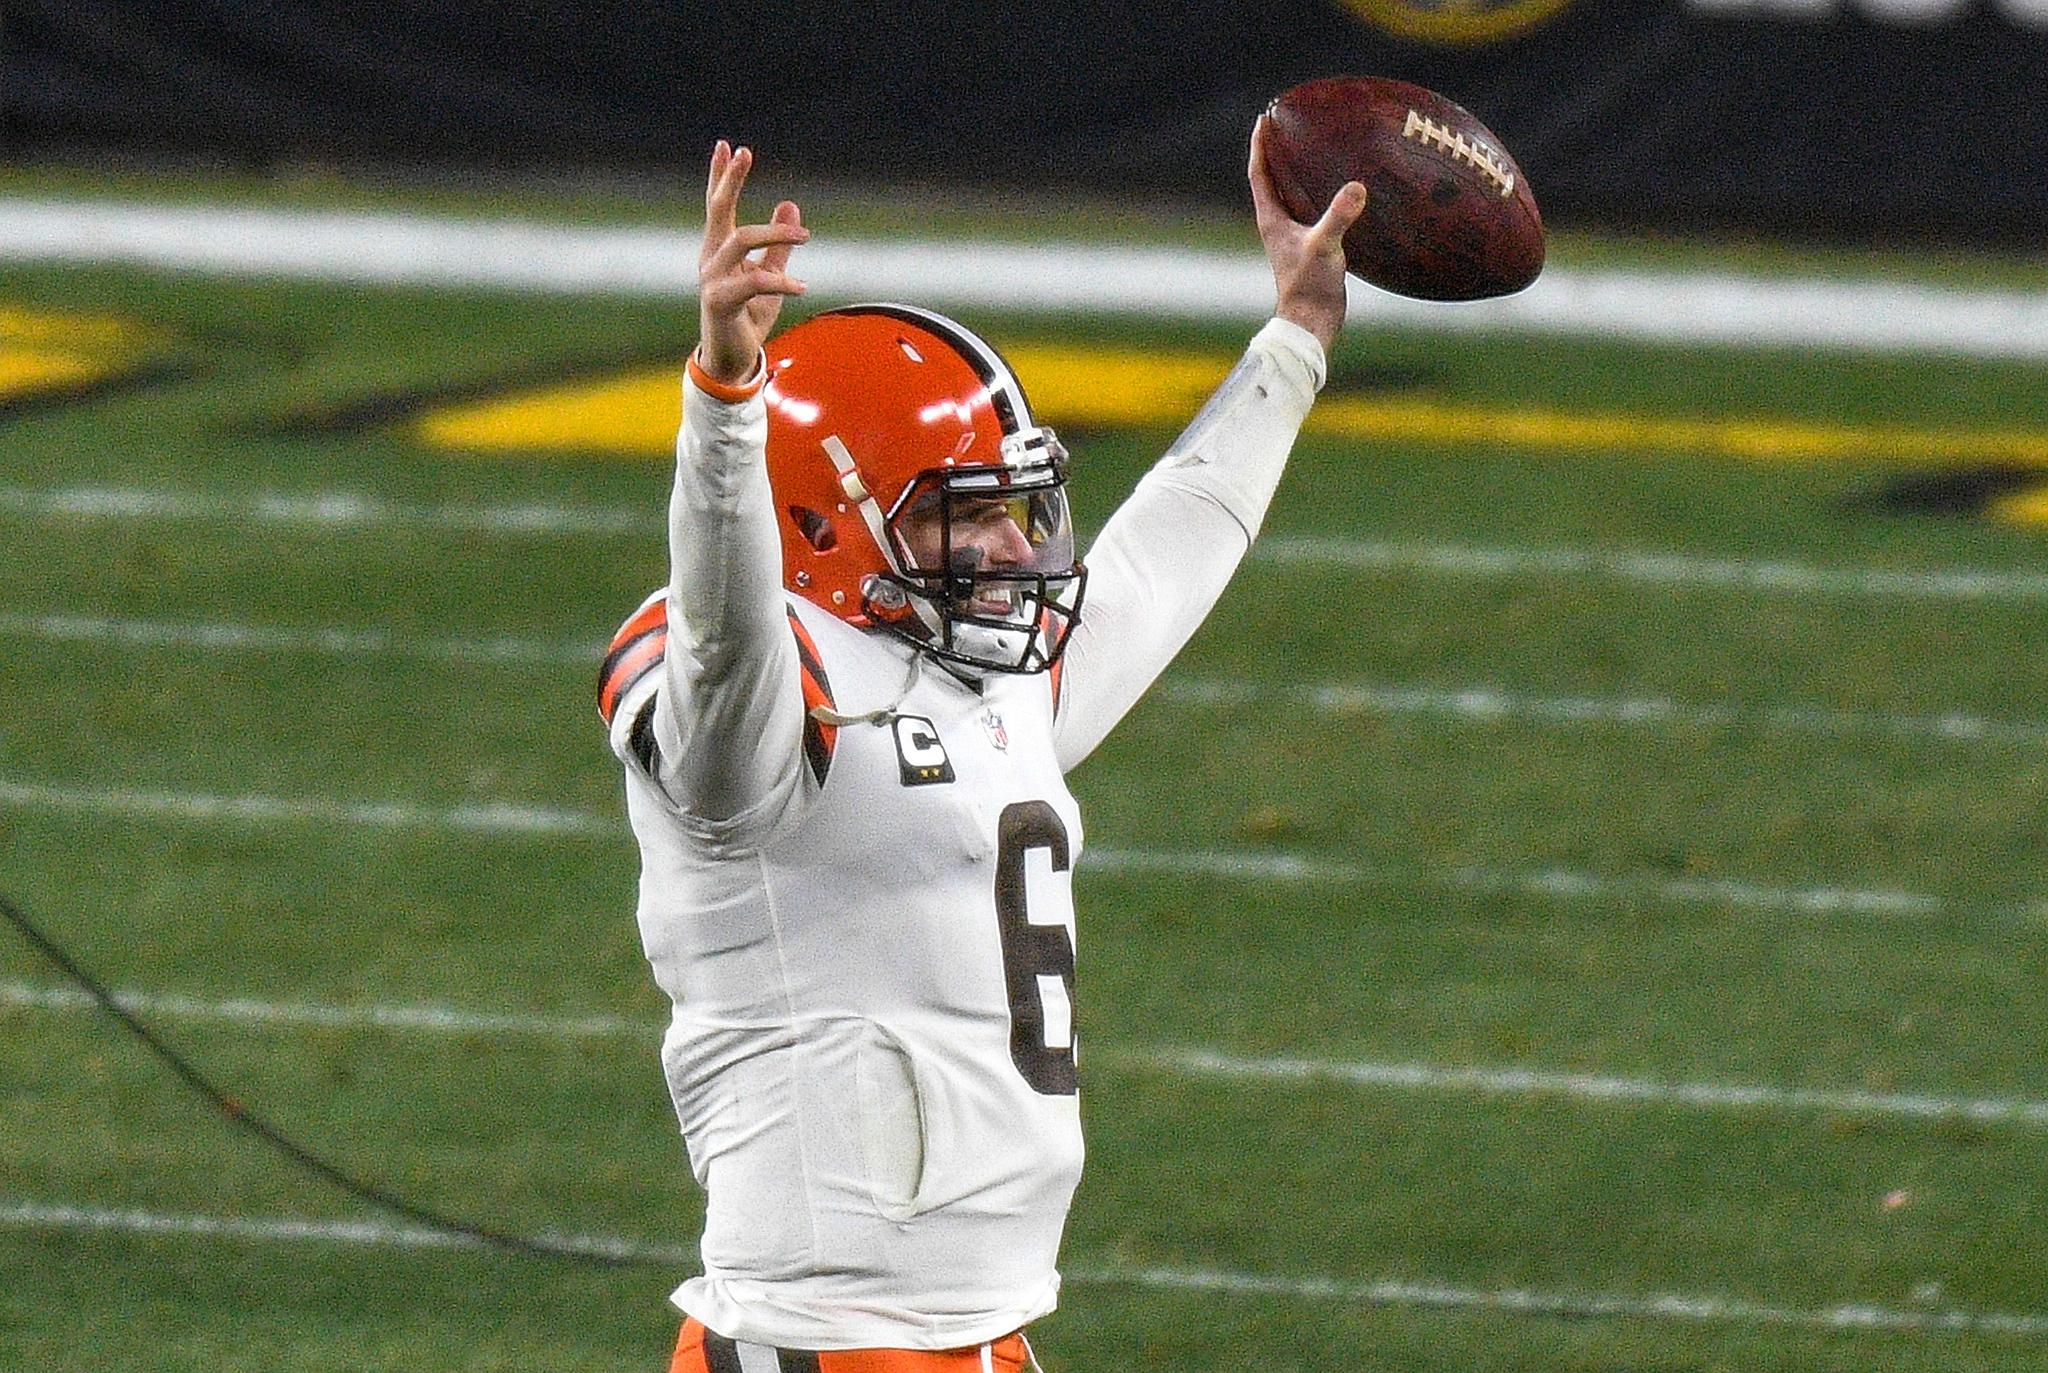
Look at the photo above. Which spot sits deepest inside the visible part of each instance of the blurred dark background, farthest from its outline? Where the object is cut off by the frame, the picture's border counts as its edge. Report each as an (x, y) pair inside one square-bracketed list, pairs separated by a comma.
[(1848, 119)]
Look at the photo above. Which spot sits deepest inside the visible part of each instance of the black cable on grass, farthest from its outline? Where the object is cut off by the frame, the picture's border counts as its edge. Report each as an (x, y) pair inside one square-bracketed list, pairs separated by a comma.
[(588, 1251)]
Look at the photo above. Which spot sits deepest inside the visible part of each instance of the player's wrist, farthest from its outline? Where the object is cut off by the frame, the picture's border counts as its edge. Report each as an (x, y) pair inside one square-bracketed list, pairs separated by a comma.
[(722, 378), (1319, 319)]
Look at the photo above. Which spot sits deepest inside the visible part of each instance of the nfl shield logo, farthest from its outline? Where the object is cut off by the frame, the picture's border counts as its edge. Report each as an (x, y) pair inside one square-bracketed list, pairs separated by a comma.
[(997, 735)]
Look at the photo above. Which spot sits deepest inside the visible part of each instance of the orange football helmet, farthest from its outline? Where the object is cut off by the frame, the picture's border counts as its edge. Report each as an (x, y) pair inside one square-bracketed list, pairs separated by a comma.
[(913, 491)]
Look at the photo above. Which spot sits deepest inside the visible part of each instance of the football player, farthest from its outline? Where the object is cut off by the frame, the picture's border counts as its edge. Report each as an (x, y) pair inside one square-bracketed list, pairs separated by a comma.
[(845, 723)]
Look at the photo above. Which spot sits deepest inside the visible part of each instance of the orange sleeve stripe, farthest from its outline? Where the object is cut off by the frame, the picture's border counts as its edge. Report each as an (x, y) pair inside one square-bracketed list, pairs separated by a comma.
[(630, 668), (816, 695), (725, 390), (1059, 669), (820, 738), (644, 619), (808, 656), (649, 624)]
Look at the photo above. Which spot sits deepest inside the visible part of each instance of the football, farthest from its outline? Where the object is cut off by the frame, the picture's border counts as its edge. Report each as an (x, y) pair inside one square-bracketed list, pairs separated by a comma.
[(1449, 216)]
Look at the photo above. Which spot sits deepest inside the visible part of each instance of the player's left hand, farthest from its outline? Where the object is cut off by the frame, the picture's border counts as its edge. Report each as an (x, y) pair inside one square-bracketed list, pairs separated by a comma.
[(739, 296), (1307, 259)]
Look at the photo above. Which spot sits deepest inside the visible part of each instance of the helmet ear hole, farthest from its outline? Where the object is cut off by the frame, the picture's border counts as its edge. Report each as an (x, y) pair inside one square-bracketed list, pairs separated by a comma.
[(816, 528)]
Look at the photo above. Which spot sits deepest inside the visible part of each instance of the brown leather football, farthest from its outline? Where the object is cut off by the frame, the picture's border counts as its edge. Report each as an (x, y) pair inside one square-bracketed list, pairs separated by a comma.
[(1449, 216)]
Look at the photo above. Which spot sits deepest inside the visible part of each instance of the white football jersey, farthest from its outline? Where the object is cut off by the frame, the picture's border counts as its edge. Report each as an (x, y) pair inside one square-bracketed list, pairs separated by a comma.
[(867, 929), (872, 1052)]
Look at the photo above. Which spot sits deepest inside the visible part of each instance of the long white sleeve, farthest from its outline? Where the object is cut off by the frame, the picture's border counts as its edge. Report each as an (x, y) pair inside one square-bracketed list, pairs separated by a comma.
[(729, 718), (1165, 556)]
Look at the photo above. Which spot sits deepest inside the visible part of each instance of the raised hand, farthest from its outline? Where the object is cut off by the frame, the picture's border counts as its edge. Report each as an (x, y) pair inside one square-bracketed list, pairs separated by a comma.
[(738, 295), (1307, 259)]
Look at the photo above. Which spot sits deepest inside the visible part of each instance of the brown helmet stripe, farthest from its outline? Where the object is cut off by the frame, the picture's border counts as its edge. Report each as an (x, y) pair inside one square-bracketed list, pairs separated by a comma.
[(1005, 392)]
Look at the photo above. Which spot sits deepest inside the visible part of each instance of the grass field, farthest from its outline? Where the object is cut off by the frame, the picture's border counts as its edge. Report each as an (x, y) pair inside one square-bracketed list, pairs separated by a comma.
[(1577, 905)]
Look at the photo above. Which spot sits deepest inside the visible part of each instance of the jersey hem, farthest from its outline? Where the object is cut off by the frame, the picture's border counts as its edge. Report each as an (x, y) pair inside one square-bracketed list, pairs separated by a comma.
[(798, 1330)]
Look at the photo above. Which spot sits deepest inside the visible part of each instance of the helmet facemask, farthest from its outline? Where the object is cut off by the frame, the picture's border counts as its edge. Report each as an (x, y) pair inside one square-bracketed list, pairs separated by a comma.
[(985, 574)]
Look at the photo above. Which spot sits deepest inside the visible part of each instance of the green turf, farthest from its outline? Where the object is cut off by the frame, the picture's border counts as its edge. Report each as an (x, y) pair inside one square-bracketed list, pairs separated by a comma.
[(1771, 1206)]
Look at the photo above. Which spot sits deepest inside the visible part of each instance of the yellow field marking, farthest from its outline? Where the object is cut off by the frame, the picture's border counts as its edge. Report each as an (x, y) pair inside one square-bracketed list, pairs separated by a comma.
[(89, 332), (41, 351), (1114, 387), (24, 371), (634, 414), (2025, 507), (1761, 439), (1087, 385)]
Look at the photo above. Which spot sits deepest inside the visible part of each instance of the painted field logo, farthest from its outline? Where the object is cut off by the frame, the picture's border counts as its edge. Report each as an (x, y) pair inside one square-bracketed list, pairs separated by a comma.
[(1488, 162), (1457, 22), (49, 356)]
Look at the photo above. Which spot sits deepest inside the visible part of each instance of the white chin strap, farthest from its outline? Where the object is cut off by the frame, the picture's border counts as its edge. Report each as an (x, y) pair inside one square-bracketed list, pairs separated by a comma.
[(991, 645), (856, 491), (983, 642)]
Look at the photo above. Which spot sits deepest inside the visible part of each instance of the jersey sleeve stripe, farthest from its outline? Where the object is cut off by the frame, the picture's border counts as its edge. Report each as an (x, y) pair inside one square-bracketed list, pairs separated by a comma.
[(623, 648), (640, 741), (649, 616), (627, 666), (648, 624), (807, 651), (820, 738)]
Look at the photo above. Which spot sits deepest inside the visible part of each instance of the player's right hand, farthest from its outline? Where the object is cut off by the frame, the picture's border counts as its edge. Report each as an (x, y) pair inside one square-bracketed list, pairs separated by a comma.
[(739, 295), (1307, 259)]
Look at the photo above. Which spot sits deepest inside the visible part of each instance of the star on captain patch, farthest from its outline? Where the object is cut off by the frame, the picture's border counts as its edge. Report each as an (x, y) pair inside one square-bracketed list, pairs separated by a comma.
[(992, 723)]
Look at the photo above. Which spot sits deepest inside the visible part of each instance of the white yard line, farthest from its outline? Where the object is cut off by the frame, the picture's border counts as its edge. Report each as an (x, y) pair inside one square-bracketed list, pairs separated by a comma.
[(355, 1016), (230, 636), (1537, 1082), (1682, 571), (344, 510), (481, 818), (1650, 306), (499, 818), (1564, 885), (26, 1215), (1666, 1306), (1469, 704), (1484, 704), (348, 510), (1193, 1062), (1694, 1308)]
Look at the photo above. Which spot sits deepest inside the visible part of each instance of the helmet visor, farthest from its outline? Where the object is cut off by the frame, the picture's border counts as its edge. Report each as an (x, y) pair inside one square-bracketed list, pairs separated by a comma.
[(990, 552), (987, 523)]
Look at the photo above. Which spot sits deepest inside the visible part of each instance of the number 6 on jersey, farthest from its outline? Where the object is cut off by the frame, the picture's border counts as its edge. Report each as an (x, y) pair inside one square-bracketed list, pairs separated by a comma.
[(1038, 957)]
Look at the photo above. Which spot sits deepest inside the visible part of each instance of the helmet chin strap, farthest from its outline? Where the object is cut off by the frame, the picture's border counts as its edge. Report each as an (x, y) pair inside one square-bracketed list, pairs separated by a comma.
[(857, 491), (825, 715), (991, 645), (879, 589)]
